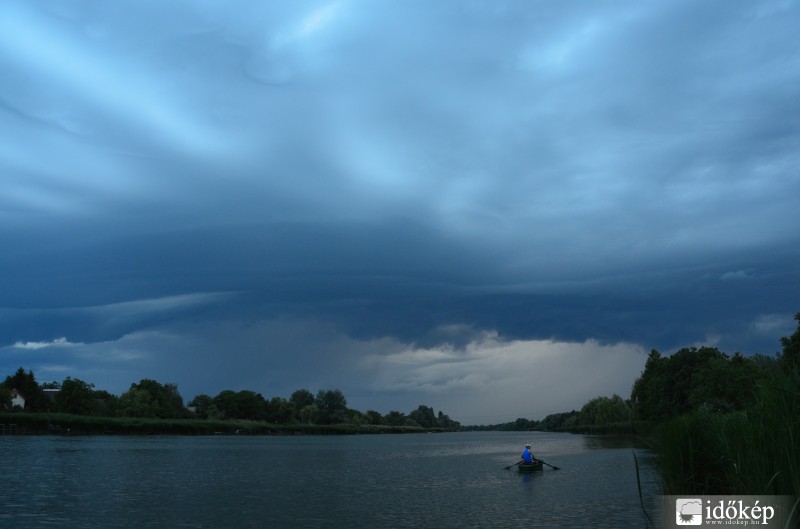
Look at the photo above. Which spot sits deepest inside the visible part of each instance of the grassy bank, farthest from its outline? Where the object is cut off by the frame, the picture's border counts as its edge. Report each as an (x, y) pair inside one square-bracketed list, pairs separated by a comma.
[(754, 451), (66, 424)]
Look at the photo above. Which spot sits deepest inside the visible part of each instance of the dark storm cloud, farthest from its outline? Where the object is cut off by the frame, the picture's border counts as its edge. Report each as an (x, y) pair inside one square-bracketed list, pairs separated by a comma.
[(219, 187)]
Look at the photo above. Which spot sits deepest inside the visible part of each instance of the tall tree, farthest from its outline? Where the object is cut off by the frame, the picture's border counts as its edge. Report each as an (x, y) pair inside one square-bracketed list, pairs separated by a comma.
[(243, 404), (395, 418), (76, 396), (332, 406), (138, 402), (108, 404), (791, 346), (204, 407), (694, 378), (163, 400), (423, 416), (5, 397), (308, 414), (444, 421), (605, 410), (302, 398), (280, 411), (225, 401), (250, 405), (648, 394), (374, 417)]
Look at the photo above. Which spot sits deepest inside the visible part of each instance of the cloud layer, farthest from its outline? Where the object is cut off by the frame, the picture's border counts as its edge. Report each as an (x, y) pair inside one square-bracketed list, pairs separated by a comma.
[(223, 186)]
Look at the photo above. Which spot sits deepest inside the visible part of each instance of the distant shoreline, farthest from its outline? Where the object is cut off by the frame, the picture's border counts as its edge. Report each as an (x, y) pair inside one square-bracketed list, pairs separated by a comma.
[(66, 424)]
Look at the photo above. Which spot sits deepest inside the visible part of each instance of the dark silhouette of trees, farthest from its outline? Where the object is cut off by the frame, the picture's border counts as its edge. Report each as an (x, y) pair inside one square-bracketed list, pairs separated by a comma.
[(605, 410), (555, 421), (150, 398), (250, 405), (692, 378), (203, 407), (308, 414), (302, 398), (373, 417), (791, 347), (423, 416), (5, 397), (395, 418), (332, 406), (77, 397), (280, 411), (231, 404)]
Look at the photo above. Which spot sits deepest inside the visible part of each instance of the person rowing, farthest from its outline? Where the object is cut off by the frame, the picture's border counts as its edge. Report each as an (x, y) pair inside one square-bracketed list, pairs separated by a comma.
[(527, 455), (530, 462)]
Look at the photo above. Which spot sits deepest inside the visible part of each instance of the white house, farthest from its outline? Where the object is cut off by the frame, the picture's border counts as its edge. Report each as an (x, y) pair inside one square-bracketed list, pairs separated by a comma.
[(17, 399)]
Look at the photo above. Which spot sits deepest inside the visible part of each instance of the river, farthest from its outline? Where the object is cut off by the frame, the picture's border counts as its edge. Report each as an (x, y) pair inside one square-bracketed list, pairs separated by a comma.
[(451, 480)]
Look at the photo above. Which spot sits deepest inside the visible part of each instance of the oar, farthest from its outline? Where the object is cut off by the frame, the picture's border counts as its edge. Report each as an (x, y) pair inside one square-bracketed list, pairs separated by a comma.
[(514, 465), (549, 465)]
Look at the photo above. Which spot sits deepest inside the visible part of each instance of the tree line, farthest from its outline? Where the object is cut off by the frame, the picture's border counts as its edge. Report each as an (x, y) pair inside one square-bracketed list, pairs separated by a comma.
[(693, 379), (152, 399)]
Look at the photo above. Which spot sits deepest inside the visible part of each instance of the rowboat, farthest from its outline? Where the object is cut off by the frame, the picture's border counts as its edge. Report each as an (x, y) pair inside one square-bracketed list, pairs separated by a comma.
[(530, 467)]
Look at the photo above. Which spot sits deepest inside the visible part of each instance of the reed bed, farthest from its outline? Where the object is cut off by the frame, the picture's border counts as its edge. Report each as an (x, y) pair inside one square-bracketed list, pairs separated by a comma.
[(754, 451)]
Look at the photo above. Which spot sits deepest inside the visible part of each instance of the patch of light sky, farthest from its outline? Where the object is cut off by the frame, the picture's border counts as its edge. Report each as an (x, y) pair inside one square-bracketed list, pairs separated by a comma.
[(279, 55), (561, 50), (497, 371), (131, 95)]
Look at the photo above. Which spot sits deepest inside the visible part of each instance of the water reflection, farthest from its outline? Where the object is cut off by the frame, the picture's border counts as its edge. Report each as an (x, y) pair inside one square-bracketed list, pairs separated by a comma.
[(600, 442)]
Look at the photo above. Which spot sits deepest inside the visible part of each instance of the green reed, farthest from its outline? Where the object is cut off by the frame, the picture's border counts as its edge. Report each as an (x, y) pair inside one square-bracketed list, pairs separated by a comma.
[(754, 451)]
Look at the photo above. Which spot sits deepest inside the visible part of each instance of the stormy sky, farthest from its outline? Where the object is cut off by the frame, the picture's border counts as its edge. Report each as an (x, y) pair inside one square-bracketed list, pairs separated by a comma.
[(492, 208)]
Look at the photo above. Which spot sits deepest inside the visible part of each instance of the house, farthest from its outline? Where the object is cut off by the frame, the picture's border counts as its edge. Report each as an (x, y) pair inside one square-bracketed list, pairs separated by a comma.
[(51, 394), (17, 399)]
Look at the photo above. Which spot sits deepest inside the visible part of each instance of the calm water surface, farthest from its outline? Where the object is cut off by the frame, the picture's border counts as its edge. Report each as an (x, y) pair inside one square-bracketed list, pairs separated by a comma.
[(374, 481)]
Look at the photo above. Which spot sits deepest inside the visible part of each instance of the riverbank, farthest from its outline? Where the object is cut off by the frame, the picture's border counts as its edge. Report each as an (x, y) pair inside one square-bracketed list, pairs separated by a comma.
[(66, 424)]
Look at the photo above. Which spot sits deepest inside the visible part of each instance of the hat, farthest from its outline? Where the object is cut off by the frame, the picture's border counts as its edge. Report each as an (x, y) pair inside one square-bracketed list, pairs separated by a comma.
[(527, 446)]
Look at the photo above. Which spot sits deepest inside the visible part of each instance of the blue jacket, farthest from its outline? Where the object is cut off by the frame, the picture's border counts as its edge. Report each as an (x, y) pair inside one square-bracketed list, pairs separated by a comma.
[(527, 456)]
